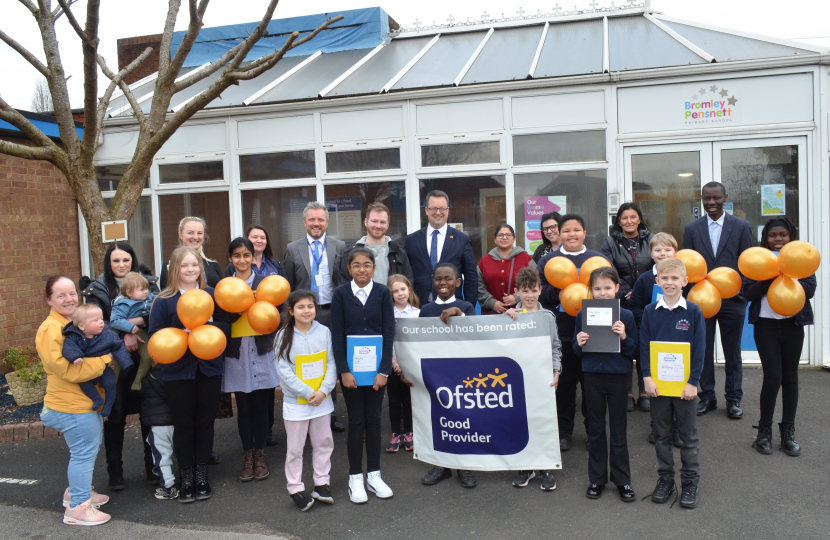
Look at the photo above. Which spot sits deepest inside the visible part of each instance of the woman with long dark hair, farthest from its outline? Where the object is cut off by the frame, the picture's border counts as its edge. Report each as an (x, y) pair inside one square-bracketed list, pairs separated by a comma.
[(550, 236), (497, 272), (779, 340)]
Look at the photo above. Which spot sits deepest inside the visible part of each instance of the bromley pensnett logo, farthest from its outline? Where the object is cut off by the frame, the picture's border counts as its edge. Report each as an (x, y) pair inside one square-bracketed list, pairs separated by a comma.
[(709, 105), (477, 405)]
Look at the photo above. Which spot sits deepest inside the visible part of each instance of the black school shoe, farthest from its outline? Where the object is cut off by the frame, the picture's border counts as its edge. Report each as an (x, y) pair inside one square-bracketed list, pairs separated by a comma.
[(302, 500), (336, 425), (626, 493), (548, 481), (733, 410), (202, 485), (435, 475), (689, 495), (187, 489), (594, 491), (665, 488), (706, 405), (564, 443), (271, 439), (466, 478), (322, 494), (214, 459), (523, 477), (629, 404)]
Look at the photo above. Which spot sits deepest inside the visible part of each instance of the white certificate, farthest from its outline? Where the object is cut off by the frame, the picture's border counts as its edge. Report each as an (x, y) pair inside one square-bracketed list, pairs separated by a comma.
[(365, 359), (600, 316), (313, 370), (670, 367)]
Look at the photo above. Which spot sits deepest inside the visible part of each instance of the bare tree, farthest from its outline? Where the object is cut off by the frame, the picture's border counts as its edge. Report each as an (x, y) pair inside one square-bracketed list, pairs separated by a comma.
[(74, 157), (41, 99)]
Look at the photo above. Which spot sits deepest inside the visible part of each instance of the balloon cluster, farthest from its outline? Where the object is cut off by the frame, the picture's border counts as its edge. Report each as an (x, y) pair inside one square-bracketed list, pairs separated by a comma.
[(796, 260), (235, 296), (562, 273), (712, 287)]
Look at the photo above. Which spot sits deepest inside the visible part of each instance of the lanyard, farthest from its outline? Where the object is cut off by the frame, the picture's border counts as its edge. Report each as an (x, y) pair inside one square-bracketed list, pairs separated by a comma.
[(318, 258)]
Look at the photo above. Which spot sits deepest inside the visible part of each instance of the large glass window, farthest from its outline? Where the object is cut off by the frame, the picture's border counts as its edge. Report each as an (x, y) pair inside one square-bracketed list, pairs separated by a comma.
[(667, 189), (277, 166), (572, 192), (140, 232), (568, 147), (110, 175), (460, 154), (280, 211), (213, 207), (363, 160), (762, 183), (347, 208), (191, 172), (477, 205)]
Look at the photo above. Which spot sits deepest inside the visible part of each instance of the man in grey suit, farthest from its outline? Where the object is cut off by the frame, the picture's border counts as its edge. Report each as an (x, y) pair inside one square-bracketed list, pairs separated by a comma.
[(721, 238), (316, 263)]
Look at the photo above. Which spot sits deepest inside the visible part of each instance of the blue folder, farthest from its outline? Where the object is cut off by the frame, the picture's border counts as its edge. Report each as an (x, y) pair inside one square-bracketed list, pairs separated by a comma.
[(364, 348)]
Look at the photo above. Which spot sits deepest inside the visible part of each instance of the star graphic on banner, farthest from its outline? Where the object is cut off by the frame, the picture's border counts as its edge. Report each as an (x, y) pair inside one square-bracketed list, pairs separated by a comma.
[(694, 96), (713, 88), (724, 93), (702, 91), (732, 100)]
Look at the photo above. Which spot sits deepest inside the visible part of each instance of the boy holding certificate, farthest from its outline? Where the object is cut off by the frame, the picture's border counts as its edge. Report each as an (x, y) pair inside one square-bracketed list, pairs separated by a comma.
[(673, 338)]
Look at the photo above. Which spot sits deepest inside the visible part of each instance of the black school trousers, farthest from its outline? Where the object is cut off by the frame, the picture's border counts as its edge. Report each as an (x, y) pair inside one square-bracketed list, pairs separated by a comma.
[(363, 405), (193, 404), (730, 319), (400, 404), (666, 413), (570, 375), (779, 343), (252, 417), (605, 391)]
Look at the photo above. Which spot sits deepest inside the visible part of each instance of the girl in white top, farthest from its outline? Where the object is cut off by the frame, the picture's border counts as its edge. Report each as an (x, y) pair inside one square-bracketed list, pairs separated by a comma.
[(400, 401), (306, 411)]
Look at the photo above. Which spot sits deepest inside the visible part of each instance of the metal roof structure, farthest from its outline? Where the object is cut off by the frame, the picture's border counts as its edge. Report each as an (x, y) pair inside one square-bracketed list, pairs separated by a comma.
[(493, 50)]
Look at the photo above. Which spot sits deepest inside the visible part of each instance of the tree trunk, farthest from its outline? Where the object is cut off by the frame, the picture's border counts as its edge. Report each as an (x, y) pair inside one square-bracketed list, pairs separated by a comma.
[(94, 211)]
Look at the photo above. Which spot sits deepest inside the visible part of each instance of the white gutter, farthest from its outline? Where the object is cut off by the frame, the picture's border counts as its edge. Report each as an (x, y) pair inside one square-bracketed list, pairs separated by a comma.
[(262, 91), (683, 41), (409, 65), (473, 58), (538, 51), (351, 70)]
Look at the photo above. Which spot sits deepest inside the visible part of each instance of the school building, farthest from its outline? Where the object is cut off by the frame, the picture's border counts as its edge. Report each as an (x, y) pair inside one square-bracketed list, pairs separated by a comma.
[(512, 116)]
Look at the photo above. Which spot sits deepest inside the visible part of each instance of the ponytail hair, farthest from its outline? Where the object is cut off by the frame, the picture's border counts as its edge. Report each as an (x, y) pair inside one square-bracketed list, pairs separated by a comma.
[(287, 340)]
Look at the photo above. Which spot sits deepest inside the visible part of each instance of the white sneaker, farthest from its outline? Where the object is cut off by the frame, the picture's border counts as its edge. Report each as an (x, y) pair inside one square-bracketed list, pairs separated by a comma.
[(357, 492), (378, 486)]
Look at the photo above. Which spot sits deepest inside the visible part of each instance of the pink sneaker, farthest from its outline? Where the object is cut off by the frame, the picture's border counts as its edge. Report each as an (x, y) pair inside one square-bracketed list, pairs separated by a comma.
[(96, 498), (85, 514), (407, 442), (395, 444)]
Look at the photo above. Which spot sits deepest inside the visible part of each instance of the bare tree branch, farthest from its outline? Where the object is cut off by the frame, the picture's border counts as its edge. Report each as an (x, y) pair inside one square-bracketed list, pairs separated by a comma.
[(25, 152), (89, 45), (123, 86), (28, 129), (29, 5), (193, 29), (103, 103), (21, 50), (167, 38), (74, 22), (58, 11)]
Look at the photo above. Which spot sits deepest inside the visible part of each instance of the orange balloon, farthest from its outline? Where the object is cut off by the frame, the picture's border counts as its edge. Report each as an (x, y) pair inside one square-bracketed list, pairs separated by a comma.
[(194, 308), (786, 296), (572, 296), (561, 272), (233, 295), (726, 280), (167, 345), (274, 290), (707, 298), (263, 317), (695, 265), (589, 266), (758, 264), (798, 259), (207, 342)]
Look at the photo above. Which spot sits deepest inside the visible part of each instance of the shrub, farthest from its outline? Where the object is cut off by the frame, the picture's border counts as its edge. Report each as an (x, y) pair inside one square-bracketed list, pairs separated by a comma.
[(26, 364)]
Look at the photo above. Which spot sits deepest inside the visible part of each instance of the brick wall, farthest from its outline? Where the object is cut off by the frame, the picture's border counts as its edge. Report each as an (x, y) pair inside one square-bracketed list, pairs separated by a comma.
[(38, 237), (130, 48)]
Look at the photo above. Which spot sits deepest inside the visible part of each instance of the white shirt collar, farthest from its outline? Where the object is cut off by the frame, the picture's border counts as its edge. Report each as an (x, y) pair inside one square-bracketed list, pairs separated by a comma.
[(407, 310), (654, 269), (680, 303), (182, 291), (442, 231), (572, 253), (311, 240), (367, 289), (719, 221), (450, 300)]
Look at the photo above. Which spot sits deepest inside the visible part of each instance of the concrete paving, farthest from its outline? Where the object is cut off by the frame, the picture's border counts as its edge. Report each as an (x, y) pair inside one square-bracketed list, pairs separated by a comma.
[(743, 494)]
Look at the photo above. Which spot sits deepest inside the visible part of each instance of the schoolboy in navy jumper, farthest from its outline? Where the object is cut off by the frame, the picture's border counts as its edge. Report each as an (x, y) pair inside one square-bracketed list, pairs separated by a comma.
[(446, 280), (572, 235), (673, 319), (607, 381)]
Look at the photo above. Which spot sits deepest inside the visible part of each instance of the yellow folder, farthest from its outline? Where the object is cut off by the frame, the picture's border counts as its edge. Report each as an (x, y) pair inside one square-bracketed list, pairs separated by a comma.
[(670, 366), (242, 328), (311, 369)]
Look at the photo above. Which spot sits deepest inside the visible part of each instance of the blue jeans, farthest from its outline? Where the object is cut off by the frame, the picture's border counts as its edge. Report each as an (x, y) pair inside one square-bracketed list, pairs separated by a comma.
[(83, 434)]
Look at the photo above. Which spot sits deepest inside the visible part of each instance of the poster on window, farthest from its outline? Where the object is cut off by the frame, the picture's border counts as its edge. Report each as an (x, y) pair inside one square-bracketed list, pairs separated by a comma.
[(772, 200), (535, 208), (344, 219)]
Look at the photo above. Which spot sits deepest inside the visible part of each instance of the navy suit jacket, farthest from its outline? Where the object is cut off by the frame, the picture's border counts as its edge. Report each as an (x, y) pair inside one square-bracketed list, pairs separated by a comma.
[(734, 239), (458, 250)]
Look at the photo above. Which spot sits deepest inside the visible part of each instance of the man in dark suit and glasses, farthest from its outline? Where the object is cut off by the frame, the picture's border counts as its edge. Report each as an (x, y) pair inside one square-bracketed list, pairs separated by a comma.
[(721, 238), (316, 263), (439, 243)]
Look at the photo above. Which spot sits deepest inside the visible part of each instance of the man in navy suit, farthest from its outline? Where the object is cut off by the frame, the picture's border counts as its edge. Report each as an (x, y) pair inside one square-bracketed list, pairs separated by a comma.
[(721, 238), (438, 243)]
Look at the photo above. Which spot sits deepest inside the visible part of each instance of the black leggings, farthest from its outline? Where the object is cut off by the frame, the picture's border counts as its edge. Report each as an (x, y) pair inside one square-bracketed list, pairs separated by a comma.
[(193, 404), (363, 404), (252, 417), (400, 404), (779, 343)]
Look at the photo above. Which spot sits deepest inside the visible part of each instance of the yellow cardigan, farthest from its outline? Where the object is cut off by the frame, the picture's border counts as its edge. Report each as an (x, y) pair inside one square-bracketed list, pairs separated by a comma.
[(62, 376)]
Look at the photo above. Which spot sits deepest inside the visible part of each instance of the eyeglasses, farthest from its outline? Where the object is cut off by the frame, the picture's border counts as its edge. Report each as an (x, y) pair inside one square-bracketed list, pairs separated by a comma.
[(504, 235), (550, 229), (365, 266), (438, 208)]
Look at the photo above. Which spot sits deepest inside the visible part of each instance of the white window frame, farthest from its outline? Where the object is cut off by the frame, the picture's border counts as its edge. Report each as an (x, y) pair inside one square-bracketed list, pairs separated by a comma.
[(201, 157), (431, 140), (353, 146)]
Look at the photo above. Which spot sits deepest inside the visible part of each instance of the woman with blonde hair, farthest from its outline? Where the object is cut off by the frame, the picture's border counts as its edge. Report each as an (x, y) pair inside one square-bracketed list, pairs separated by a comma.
[(193, 233), (192, 385)]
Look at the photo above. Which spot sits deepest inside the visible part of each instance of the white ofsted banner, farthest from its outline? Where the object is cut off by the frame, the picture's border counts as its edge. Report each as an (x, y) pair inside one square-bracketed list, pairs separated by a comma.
[(482, 398)]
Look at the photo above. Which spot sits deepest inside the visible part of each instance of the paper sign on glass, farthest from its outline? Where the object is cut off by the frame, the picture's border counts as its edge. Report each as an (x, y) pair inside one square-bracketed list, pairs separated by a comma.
[(600, 316), (670, 366), (311, 369)]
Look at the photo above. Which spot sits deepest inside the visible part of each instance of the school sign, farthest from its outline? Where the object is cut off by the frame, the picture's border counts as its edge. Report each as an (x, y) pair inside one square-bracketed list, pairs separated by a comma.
[(482, 398)]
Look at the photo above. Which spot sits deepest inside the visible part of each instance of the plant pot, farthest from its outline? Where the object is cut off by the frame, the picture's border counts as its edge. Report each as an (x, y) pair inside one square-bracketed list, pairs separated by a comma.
[(26, 393)]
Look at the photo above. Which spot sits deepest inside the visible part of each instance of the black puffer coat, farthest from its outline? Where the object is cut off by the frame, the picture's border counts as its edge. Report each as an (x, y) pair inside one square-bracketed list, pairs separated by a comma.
[(628, 268), (97, 293), (154, 408)]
